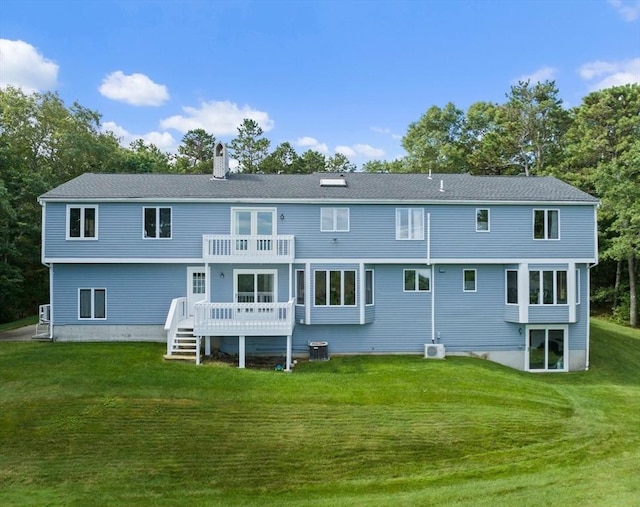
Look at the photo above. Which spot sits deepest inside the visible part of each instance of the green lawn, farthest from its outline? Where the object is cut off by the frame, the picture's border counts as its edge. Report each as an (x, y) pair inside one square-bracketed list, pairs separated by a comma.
[(113, 424)]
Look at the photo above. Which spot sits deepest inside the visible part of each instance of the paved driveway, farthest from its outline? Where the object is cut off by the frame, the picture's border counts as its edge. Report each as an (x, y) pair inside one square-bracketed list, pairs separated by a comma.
[(18, 335)]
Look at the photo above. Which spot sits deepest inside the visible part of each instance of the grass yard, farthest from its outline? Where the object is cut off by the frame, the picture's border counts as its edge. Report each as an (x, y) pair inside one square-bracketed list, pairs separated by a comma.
[(113, 424)]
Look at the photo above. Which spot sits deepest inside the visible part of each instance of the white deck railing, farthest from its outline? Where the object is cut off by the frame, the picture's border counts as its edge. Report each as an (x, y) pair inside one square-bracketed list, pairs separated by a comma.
[(227, 248), (177, 312), (43, 327), (244, 319)]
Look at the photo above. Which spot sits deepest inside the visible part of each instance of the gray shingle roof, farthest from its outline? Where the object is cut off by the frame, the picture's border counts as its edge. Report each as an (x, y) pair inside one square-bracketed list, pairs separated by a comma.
[(360, 187)]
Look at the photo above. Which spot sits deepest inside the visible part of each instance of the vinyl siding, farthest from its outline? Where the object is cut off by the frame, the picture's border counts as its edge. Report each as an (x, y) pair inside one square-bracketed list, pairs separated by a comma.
[(453, 233), (372, 232), (473, 320), (402, 320), (136, 294)]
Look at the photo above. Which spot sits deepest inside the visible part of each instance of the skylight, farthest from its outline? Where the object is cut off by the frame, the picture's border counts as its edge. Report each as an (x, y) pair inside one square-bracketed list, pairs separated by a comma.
[(333, 182)]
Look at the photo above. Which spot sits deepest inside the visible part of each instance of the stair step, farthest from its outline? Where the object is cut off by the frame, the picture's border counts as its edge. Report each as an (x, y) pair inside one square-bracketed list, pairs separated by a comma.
[(178, 357)]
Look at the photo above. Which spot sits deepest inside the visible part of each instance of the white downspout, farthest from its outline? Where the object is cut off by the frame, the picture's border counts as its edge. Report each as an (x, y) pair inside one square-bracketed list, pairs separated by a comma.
[(431, 281), (362, 290), (433, 304), (428, 239)]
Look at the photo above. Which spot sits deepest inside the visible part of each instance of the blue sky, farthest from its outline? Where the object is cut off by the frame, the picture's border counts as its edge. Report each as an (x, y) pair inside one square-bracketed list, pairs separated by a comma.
[(331, 75)]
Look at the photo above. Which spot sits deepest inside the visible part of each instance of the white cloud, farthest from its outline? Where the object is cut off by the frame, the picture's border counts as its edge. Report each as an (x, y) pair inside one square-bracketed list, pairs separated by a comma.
[(164, 141), (311, 143), (629, 10), (357, 150), (347, 151), (386, 131), (25, 68), (540, 75), (608, 74), (368, 151), (360, 150), (217, 118), (135, 89)]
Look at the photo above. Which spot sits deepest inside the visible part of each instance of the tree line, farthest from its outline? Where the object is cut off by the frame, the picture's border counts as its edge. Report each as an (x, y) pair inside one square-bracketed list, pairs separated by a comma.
[(595, 146)]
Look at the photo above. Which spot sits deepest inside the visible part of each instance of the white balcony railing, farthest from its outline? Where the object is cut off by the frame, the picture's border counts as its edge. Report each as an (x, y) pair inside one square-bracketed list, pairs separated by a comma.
[(244, 319), (233, 248)]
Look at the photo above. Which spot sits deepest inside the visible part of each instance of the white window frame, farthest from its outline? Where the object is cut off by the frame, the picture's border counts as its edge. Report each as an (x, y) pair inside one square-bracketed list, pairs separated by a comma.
[(373, 287), (328, 288), (413, 233), (506, 287), (144, 222), (547, 328), (298, 277), (416, 288), (254, 220), (541, 287), (255, 272), (475, 280), (332, 215), (546, 224), (488, 229), (82, 209), (93, 303)]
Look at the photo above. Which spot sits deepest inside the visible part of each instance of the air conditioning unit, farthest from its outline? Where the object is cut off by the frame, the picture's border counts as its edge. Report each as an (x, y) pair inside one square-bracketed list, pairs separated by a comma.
[(433, 351)]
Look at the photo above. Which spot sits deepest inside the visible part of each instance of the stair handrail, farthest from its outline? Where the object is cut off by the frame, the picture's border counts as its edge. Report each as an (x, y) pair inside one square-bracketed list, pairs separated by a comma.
[(177, 312)]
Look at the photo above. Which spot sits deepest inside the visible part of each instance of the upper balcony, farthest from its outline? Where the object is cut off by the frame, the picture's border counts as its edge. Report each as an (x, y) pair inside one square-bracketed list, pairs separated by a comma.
[(225, 248)]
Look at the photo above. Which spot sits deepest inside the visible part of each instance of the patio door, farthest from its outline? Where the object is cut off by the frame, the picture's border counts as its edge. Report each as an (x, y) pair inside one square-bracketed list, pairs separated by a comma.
[(547, 348), (196, 287), (254, 222), (253, 287)]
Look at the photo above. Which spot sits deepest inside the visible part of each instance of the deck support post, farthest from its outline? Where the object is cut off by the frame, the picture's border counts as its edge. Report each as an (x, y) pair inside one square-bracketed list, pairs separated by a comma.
[(288, 365), (207, 345), (241, 353)]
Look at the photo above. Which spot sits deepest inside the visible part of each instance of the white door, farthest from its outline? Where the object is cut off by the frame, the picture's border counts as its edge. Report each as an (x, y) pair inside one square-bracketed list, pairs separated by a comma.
[(254, 222), (196, 287)]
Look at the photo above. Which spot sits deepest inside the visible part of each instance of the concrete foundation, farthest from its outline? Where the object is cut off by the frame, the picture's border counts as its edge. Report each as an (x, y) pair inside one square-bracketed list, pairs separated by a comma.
[(152, 333)]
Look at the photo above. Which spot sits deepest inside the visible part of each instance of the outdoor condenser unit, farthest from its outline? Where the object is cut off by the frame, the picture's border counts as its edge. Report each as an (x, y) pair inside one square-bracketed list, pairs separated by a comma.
[(433, 351)]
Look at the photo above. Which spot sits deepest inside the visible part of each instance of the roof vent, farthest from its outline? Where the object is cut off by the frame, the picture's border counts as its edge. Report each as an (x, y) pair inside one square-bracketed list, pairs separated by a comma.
[(333, 182), (220, 162)]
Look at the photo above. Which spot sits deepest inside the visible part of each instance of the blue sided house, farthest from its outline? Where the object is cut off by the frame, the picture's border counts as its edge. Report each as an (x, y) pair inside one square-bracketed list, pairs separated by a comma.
[(452, 264)]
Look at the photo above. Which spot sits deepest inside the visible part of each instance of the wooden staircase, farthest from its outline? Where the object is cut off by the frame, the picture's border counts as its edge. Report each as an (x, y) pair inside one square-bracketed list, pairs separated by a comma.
[(184, 344)]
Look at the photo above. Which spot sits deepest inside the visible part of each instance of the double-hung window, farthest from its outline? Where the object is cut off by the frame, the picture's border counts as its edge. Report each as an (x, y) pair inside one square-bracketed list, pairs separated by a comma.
[(157, 223), (469, 280), (334, 219), (482, 220), (512, 286), (548, 287), (300, 286), (335, 288), (546, 224), (92, 304), (409, 223), (417, 280), (82, 222), (368, 286)]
